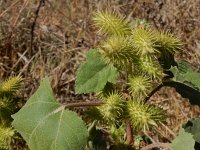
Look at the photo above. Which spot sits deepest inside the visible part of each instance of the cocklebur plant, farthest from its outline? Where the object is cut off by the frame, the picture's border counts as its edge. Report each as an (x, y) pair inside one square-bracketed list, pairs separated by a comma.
[(132, 56), (129, 66), (144, 60), (133, 49), (8, 106)]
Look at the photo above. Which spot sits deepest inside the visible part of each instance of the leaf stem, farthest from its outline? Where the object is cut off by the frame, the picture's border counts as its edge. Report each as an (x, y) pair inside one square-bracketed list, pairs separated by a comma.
[(166, 83), (153, 91)]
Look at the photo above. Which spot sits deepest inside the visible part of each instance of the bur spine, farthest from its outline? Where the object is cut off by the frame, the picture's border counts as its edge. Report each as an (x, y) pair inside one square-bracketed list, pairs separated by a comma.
[(8, 106), (110, 23), (143, 116), (112, 109)]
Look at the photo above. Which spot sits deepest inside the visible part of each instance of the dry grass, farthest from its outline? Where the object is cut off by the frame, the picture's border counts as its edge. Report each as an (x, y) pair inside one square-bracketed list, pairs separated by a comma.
[(64, 32)]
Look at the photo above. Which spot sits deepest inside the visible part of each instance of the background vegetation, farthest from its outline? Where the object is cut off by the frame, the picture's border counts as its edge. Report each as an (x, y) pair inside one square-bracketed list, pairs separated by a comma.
[(63, 32)]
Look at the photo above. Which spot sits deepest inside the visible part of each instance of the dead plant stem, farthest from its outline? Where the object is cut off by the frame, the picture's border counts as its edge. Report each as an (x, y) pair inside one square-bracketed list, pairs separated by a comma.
[(42, 2)]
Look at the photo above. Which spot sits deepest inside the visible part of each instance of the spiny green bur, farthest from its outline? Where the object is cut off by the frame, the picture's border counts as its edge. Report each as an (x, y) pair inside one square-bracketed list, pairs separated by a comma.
[(8, 106)]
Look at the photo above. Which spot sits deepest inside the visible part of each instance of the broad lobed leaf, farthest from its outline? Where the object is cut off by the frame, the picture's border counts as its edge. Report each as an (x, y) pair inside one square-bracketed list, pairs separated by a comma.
[(185, 74), (186, 82), (46, 125), (193, 127), (184, 141), (93, 75)]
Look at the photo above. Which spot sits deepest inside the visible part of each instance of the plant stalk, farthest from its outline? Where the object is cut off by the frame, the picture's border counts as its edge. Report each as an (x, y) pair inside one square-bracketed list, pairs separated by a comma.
[(129, 134)]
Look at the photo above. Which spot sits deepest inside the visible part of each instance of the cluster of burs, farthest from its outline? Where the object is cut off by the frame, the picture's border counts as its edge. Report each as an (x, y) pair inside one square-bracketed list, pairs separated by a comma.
[(141, 54), (8, 106)]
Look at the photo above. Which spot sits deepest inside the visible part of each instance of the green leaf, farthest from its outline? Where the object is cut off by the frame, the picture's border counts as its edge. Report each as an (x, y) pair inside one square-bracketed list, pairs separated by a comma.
[(185, 74), (46, 125), (186, 82), (97, 139), (93, 75), (184, 141), (193, 127)]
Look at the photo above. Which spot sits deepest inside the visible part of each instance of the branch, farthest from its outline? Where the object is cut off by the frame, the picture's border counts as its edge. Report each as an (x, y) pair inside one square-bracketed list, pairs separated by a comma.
[(168, 83), (42, 2), (153, 145), (84, 104), (153, 91)]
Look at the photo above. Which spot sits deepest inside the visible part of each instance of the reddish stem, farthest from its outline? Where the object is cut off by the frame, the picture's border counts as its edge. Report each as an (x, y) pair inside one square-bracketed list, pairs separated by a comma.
[(129, 134)]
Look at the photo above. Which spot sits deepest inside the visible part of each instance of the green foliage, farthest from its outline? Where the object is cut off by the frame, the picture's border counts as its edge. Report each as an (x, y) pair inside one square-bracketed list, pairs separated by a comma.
[(46, 125), (138, 52), (186, 82), (117, 134), (185, 74), (184, 141), (96, 140), (193, 127), (93, 75)]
